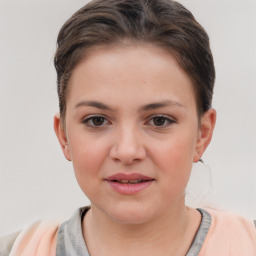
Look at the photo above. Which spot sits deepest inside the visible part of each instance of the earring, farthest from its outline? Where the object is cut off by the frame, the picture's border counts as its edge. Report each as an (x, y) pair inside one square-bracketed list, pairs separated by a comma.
[(200, 159)]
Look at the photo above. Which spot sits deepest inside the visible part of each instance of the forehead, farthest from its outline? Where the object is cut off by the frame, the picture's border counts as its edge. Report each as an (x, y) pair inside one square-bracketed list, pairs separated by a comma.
[(123, 71)]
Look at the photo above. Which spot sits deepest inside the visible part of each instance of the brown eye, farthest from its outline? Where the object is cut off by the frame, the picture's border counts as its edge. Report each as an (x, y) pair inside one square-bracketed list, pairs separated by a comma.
[(96, 121), (159, 121)]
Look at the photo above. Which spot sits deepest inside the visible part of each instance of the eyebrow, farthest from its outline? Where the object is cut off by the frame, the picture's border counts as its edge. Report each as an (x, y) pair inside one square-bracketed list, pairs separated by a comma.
[(151, 106), (95, 104), (156, 105)]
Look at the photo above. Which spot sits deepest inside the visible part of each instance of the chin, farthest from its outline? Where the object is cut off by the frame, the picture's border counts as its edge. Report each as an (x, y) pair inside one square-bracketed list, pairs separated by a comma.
[(133, 215)]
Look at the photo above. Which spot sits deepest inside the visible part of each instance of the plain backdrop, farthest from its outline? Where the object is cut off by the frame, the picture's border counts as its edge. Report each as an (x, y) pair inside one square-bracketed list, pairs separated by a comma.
[(36, 182)]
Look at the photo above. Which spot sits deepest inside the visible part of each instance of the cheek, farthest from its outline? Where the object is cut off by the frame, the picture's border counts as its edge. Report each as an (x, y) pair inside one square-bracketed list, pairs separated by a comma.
[(175, 163), (87, 164), (176, 152), (174, 157), (87, 156)]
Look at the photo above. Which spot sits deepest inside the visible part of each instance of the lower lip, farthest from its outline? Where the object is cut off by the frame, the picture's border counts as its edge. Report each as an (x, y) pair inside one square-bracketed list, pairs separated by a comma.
[(129, 189)]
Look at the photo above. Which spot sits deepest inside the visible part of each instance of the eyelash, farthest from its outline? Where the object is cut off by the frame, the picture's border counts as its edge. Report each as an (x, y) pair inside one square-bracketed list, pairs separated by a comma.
[(89, 121), (167, 121)]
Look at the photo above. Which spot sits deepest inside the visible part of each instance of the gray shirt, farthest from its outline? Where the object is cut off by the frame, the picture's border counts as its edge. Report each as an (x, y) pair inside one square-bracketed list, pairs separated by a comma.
[(71, 242)]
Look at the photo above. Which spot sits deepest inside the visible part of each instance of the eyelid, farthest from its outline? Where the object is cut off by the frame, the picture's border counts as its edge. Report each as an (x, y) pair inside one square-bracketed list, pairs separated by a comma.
[(171, 120), (88, 118)]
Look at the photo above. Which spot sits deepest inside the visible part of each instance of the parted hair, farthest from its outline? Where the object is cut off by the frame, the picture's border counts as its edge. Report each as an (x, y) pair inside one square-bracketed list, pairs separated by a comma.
[(163, 23)]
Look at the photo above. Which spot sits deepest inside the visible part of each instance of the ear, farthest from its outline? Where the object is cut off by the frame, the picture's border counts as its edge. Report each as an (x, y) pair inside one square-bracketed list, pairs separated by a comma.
[(208, 121), (61, 135)]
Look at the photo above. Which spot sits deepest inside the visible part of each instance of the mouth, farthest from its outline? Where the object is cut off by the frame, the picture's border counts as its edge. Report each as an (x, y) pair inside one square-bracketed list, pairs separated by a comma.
[(138, 181), (132, 178), (129, 184)]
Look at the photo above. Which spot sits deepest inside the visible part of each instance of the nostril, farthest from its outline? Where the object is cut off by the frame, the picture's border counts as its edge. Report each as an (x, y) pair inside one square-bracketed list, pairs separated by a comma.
[(127, 150)]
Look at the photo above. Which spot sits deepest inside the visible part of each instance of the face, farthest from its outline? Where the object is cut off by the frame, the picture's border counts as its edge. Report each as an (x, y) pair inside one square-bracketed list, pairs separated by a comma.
[(131, 131)]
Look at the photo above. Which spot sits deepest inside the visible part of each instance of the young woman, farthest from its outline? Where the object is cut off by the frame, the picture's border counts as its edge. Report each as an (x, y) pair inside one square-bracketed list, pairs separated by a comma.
[(135, 83)]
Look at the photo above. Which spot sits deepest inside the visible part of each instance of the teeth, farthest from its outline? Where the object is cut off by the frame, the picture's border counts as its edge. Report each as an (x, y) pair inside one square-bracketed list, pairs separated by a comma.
[(134, 181), (130, 181)]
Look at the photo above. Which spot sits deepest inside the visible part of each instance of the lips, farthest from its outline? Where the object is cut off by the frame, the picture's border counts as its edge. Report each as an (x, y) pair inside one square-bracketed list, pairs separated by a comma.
[(133, 178), (129, 181), (128, 184)]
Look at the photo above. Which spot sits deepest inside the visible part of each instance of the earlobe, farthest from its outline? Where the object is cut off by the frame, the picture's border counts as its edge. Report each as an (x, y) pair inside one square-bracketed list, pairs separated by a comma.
[(61, 135), (208, 121)]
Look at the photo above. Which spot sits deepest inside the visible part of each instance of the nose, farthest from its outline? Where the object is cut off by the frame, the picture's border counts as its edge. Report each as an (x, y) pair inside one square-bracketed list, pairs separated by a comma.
[(128, 147)]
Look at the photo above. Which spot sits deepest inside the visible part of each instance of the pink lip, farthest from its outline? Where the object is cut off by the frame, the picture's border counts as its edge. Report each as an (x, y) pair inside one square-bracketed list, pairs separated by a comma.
[(132, 176), (129, 189)]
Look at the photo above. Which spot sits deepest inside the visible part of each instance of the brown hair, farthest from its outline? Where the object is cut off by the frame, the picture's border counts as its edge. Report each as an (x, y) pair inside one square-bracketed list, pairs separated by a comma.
[(164, 23)]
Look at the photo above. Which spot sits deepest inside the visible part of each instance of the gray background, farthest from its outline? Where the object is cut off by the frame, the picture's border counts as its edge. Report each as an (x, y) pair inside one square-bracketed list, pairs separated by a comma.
[(35, 179)]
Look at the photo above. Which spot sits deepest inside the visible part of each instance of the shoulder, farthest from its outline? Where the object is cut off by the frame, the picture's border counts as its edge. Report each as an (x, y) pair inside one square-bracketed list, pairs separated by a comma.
[(40, 235), (229, 232), (48, 238), (232, 220), (6, 243)]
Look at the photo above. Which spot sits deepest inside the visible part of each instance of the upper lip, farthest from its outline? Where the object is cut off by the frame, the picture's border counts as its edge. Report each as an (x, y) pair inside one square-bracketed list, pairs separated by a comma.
[(131, 176)]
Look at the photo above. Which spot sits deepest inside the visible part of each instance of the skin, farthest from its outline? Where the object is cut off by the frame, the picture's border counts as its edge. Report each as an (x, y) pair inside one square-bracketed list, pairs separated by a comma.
[(161, 142)]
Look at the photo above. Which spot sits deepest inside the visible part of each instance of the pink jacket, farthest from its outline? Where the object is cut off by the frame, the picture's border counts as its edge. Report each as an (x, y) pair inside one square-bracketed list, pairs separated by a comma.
[(229, 235), (38, 239)]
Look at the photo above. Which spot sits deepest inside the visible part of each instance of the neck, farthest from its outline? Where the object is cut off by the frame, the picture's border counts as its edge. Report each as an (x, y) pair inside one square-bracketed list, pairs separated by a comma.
[(172, 232)]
